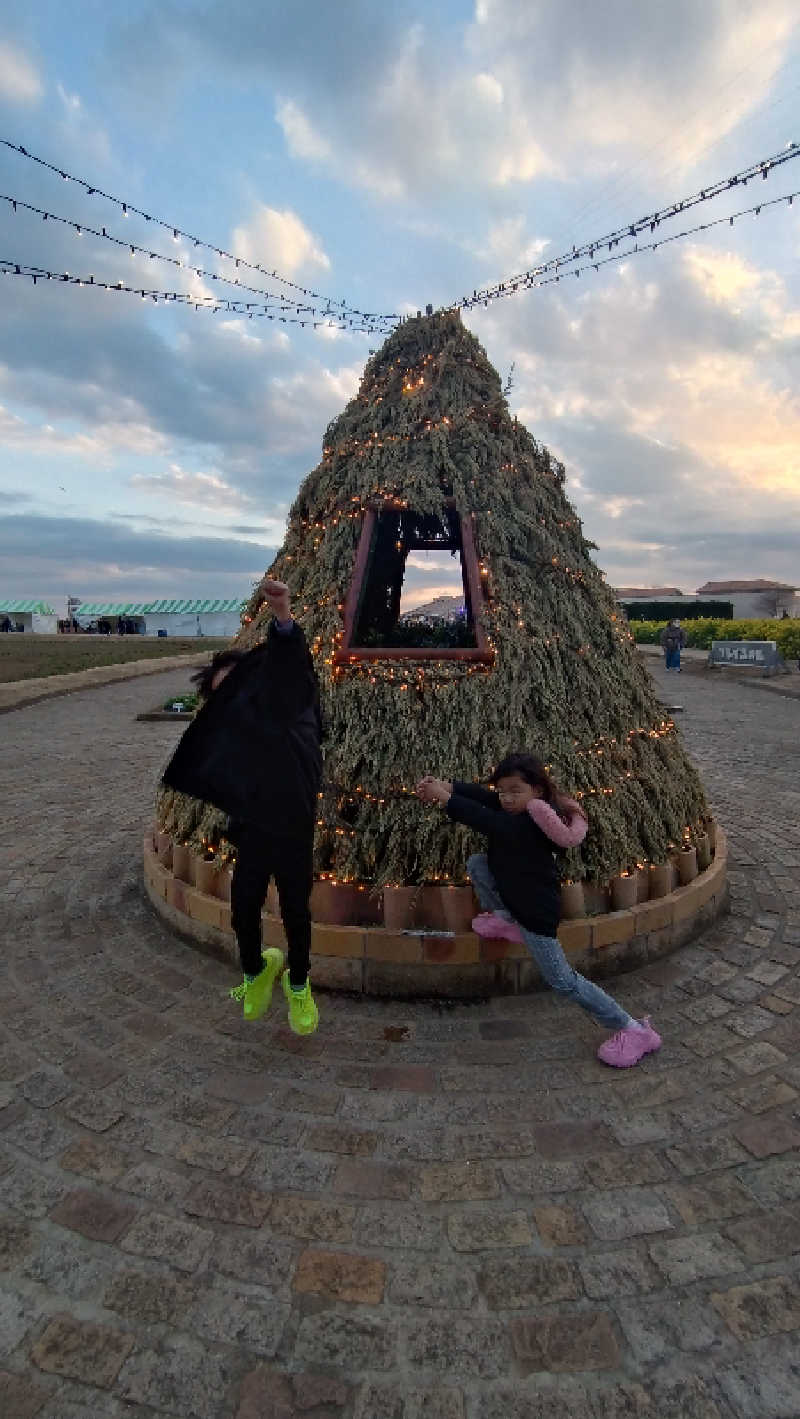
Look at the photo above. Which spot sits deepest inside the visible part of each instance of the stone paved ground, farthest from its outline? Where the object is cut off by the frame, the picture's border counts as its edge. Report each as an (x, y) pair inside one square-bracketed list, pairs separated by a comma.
[(455, 1214)]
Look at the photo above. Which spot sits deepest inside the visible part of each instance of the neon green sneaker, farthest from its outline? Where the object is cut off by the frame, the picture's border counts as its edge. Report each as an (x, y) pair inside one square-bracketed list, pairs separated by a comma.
[(257, 994), (303, 1012)]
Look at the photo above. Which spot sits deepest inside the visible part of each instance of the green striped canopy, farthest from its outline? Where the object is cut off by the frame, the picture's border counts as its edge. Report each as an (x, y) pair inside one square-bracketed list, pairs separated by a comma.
[(194, 608), (39, 608), (158, 608), (111, 608)]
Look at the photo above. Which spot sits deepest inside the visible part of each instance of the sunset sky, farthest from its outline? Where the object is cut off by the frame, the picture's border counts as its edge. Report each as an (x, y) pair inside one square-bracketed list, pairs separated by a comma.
[(393, 155)]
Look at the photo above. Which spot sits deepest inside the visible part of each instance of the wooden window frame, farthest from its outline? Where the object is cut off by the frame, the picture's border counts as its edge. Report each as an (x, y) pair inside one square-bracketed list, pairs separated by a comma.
[(348, 654)]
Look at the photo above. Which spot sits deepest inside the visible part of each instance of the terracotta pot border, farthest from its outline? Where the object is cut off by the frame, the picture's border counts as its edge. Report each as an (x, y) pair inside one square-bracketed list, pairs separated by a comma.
[(375, 961)]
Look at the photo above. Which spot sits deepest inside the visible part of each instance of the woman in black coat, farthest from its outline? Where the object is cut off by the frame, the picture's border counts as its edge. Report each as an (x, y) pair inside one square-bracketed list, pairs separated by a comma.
[(253, 750)]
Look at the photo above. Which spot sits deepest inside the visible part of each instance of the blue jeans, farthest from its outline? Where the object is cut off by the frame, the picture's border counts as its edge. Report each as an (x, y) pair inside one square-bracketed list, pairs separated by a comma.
[(673, 658), (548, 954)]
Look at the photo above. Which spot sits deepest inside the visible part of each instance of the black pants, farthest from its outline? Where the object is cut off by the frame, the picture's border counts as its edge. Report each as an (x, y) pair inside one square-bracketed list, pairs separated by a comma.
[(259, 857)]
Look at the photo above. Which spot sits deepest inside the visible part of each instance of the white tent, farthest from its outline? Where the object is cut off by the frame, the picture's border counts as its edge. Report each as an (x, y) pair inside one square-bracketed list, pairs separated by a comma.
[(31, 615)]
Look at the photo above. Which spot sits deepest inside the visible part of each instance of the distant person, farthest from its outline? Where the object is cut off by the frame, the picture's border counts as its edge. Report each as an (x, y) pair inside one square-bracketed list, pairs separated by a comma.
[(6, 626), (673, 639), (253, 750)]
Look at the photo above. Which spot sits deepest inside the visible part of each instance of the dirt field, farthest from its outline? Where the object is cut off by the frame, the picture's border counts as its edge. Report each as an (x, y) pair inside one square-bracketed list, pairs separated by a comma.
[(26, 657)]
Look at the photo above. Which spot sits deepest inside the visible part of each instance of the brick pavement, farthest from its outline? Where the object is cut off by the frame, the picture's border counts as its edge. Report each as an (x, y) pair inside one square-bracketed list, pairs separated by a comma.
[(451, 1213)]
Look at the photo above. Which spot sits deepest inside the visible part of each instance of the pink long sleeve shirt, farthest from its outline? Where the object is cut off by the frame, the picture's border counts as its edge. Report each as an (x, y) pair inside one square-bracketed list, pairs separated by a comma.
[(562, 834)]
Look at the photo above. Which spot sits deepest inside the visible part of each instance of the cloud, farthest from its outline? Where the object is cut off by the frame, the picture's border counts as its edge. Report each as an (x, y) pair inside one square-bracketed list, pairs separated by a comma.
[(29, 437), (406, 102), (19, 81), (71, 102), (205, 490), (103, 557), (301, 138), (278, 240), (129, 377), (506, 246), (669, 392)]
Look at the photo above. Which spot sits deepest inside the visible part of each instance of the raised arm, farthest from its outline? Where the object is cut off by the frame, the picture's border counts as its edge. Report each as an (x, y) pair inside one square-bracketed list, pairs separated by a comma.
[(562, 834)]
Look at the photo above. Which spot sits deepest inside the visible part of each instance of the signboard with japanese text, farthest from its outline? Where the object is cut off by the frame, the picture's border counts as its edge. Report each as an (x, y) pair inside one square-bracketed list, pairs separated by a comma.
[(762, 655)]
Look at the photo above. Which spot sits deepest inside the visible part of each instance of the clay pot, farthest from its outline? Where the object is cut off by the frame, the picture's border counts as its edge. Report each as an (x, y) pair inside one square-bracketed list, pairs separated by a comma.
[(642, 875), (205, 875), (458, 908), (429, 908), (181, 862), (703, 846), (660, 879), (687, 865), (224, 884), (164, 849), (596, 898), (343, 904), (398, 907), (624, 892), (572, 901)]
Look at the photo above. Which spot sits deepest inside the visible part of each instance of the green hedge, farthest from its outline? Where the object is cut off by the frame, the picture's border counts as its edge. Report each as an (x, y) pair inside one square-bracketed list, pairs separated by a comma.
[(701, 633), (680, 610)]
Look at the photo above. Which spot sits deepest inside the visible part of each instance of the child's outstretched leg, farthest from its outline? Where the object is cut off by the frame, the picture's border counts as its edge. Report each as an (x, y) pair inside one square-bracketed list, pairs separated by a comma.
[(251, 876), (294, 877), (632, 1038), (495, 921)]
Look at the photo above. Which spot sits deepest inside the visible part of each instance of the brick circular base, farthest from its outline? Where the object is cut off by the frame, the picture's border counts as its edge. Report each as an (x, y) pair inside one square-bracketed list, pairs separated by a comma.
[(374, 961)]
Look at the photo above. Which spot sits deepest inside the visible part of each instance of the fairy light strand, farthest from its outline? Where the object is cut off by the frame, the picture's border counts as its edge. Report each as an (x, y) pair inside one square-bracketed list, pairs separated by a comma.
[(754, 211), (526, 279), (129, 208), (374, 326), (251, 309)]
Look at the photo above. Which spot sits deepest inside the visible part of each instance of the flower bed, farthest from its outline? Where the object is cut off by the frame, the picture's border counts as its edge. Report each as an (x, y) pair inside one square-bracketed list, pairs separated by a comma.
[(376, 960)]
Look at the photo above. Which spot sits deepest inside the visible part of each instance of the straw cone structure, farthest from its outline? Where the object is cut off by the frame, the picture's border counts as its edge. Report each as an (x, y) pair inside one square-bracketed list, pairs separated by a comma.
[(430, 423)]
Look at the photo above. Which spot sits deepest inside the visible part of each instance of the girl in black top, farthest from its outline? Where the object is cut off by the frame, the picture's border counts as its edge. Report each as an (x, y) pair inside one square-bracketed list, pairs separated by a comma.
[(518, 882)]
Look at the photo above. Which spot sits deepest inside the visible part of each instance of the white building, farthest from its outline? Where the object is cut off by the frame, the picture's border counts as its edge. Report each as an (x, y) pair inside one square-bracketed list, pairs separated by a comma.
[(88, 613), (754, 600), (194, 618), (218, 618), (31, 615), (442, 608)]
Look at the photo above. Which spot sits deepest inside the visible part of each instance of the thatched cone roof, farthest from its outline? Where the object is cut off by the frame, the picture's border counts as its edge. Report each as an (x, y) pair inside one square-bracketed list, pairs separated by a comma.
[(430, 421)]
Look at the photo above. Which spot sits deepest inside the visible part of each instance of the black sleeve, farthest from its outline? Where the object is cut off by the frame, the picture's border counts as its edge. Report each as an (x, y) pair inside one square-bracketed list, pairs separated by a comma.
[(480, 816), (288, 681), (477, 793)]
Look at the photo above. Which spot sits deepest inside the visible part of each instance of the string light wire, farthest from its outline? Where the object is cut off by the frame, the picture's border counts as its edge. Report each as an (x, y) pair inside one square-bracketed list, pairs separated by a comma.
[(135, 249), (788, 198), (529, 278), (261, 310), (129, 208), (251, 309)]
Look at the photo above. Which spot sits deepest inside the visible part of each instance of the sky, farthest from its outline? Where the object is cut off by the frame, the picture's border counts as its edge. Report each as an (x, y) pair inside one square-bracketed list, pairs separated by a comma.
[(393, 155)]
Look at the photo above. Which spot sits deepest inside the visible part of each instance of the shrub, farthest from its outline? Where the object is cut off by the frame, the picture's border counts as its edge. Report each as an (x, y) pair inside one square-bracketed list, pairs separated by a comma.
[(701, 633)]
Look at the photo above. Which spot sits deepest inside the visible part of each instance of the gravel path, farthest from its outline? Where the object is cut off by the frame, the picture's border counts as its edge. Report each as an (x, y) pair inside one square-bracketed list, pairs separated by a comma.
[(416, 1213)]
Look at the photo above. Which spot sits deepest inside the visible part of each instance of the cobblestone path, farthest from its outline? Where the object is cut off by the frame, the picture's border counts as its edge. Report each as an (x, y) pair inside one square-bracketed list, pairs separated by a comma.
[(417, 1213)]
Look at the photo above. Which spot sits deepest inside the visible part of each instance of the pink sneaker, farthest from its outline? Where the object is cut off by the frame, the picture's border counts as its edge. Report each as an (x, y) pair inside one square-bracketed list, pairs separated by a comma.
[(496, 928), (628, 1046)]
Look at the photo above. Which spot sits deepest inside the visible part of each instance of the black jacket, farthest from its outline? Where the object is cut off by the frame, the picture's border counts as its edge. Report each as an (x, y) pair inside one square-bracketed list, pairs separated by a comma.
[(521, 857), (253, 749)]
